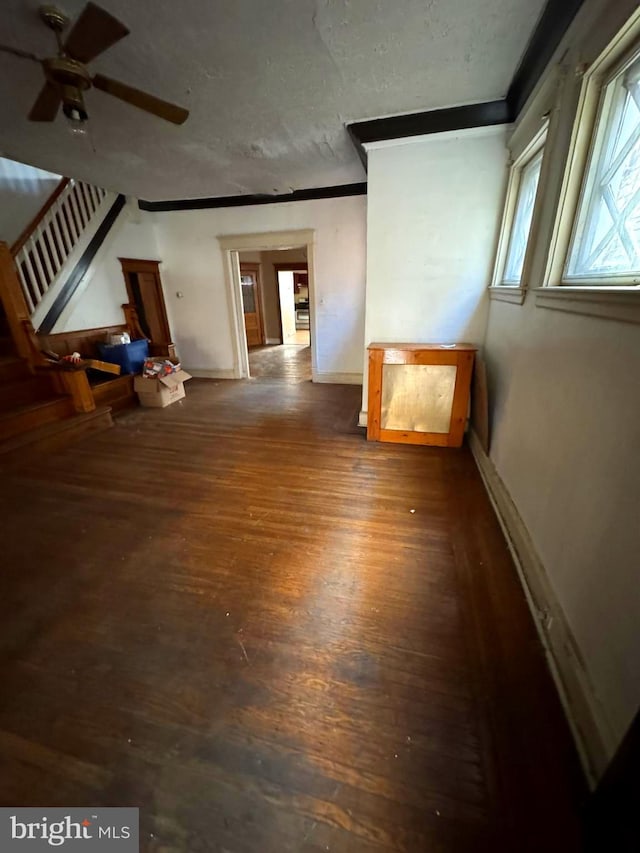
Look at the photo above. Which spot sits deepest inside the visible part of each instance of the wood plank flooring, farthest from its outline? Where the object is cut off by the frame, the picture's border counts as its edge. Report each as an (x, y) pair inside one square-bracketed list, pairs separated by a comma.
[(285, 362), (271, 635)]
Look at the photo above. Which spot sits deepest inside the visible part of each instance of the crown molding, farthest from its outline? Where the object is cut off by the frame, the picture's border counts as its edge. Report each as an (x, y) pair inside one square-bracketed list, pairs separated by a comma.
[(310, 194)]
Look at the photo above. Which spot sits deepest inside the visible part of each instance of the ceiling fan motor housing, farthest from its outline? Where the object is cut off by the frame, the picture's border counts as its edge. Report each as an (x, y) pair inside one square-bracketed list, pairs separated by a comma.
[(54, 18), (67, 72), (71, 78)]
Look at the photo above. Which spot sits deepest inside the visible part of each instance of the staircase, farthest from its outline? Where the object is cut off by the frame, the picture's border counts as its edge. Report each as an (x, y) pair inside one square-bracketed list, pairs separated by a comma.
[(40, 407), (48, 247), (34, 416)]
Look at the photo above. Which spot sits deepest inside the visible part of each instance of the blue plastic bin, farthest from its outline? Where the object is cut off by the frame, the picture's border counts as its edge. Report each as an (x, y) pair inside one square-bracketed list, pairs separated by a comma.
[(130, 357)]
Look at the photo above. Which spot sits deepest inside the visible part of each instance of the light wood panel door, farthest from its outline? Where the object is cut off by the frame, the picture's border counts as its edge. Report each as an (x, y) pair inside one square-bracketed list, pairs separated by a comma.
[(250, 282)]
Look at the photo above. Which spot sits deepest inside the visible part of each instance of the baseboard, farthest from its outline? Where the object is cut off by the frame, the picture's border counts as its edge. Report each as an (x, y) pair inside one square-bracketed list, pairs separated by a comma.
[(202, 373), (271, 341), (337, 378), (362, 418), (594, 741)]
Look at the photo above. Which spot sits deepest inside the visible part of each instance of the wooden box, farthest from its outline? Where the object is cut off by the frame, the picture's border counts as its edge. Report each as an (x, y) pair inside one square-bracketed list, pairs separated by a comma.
[(419, 393)]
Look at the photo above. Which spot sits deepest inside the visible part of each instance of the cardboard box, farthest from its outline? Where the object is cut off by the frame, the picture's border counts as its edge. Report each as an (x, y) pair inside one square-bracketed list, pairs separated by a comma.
[(162, 391)]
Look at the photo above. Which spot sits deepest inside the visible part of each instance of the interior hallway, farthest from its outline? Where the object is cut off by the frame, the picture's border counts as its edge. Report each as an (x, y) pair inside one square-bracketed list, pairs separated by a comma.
[(272, 635)]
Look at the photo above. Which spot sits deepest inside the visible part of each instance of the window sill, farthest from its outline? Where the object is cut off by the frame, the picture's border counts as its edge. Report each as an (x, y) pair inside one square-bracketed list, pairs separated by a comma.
[(506, 293), (621, 304)]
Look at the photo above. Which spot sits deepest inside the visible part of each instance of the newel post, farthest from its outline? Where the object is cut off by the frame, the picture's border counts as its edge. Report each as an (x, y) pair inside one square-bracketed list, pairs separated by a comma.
[(76, 384), (17, 310)]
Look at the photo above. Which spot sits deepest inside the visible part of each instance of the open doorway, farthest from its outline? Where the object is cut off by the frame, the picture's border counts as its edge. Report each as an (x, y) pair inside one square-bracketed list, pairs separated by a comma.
[(276, 307), (235, 245), (274, 286), (294, 304)]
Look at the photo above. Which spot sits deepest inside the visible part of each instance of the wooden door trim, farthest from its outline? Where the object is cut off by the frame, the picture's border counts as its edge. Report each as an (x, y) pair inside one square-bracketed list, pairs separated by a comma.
[(252, 266), (139, 265), (145, 265), (293, 266)]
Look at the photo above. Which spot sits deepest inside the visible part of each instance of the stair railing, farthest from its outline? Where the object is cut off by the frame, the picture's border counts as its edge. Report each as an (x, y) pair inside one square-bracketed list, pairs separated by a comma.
[(44, 246)]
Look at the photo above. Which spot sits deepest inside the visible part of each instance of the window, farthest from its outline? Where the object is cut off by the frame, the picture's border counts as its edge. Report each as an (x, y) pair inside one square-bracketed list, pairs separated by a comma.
[(523, 214), (517, 221), (605, 246)]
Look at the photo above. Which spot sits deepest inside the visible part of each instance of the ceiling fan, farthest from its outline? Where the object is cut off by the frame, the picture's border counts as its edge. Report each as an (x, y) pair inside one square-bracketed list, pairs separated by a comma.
[(67, 76)]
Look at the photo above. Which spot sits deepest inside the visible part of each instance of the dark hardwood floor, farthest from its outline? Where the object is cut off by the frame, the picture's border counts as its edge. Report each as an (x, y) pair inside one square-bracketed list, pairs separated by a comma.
[(271, 635), (287, 362)]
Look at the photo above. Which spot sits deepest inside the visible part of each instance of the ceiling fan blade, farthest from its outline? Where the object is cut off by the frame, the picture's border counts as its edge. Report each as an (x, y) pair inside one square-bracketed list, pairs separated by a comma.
[(93, 32), (46, 105), (23, 54), (142, 100)]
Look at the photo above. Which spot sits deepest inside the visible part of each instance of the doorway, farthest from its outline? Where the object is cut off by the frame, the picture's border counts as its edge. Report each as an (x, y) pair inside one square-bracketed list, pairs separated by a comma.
[(294, 305), (249, 248), (144, 289)]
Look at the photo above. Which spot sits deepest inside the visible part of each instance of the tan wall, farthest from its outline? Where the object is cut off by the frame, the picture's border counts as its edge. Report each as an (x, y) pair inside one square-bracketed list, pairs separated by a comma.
[(269, 280), (564, 410)]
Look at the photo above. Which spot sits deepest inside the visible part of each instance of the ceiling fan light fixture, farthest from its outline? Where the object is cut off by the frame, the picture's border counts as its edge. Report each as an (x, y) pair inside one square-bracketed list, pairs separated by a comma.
[(76, 127), (74, 110), (67, 76)]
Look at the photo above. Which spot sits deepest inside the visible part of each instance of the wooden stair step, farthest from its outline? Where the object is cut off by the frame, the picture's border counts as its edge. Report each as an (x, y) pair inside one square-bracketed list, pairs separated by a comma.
[(24, 390), (13, 368), (117, 393), (33, 415), (7, 347), (55, 435)]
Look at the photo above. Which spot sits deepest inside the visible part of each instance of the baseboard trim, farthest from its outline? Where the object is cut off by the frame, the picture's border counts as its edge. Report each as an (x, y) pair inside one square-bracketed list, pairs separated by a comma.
[(203, 373), (271, 341), (362, 418), (337, 378), (594, 741)]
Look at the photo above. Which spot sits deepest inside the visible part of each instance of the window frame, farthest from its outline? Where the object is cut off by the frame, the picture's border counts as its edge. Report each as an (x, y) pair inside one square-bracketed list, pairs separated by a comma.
[(595, 138), (609, 46), (510, 291)]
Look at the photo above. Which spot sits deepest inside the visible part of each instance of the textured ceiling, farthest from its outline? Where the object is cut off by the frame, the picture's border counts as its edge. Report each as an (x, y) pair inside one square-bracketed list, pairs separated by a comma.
[(270, 85)]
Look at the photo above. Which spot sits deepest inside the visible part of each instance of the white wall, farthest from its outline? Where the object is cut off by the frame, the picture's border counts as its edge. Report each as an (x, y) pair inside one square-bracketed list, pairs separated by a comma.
[(193, 265), (23, 192), (99, 299), (565, 413), (432, 215)]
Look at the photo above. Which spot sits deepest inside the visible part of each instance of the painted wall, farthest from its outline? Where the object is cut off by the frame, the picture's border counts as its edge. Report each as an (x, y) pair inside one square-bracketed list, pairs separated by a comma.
[(23, 191), (98, 301), (433, 211), (565, 409), (193, 265)]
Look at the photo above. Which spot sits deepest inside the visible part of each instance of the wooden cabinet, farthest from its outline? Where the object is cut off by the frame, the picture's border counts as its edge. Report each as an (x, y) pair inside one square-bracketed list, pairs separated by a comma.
[(419, 393)]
